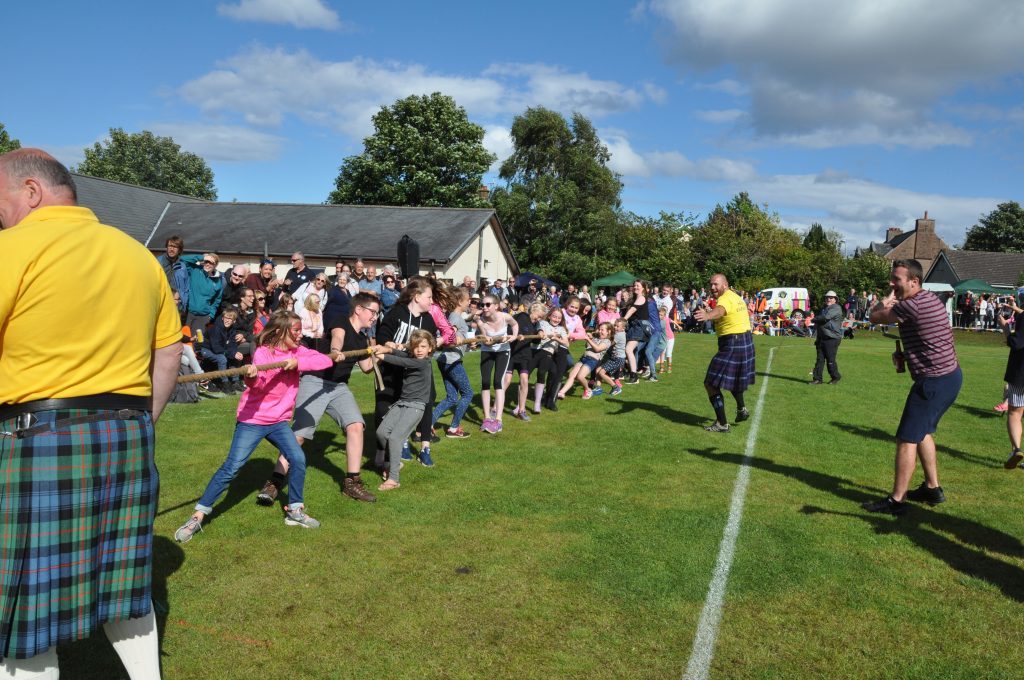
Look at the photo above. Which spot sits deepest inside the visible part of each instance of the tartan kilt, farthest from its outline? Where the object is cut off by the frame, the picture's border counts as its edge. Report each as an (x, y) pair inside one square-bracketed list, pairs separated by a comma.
[(76, 529), (732, 368)]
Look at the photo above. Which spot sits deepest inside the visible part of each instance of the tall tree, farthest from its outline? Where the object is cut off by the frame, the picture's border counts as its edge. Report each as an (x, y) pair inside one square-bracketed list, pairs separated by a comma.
[(559, 194), (424, 151), (657, 248), (6, 143), (1002, 230), (147, 160), (747, 244)]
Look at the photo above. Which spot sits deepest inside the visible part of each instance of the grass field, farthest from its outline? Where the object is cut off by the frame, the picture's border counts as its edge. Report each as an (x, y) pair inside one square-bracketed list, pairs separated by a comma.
[(581, 545)]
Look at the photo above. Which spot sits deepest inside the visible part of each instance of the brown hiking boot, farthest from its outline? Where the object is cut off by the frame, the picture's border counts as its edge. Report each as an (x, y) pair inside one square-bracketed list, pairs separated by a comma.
[(268, 494), (353, 488)]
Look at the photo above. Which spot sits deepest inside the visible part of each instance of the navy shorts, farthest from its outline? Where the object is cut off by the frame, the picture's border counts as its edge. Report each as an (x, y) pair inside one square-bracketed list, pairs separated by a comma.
[(928, 400), (590, 363)]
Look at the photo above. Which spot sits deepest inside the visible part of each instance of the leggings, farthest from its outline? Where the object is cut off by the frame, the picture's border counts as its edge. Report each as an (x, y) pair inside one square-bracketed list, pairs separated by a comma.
[(499, 361), (550, 367), (458, 392)]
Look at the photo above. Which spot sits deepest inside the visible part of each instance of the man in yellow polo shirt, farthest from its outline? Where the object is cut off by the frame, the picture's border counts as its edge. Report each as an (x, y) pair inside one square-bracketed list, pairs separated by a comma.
[(732, 368), (85, 371)]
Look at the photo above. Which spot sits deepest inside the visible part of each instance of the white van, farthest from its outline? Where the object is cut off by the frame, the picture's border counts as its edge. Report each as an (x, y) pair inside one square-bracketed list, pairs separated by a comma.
[(786, 299)]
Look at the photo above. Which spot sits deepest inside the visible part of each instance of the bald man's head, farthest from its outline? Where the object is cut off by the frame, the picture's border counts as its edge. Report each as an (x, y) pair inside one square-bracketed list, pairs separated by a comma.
[(31, 179), (719, 284)]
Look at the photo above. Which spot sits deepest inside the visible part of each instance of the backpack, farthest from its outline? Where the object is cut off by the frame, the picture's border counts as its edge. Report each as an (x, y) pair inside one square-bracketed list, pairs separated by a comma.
[(186, 392)]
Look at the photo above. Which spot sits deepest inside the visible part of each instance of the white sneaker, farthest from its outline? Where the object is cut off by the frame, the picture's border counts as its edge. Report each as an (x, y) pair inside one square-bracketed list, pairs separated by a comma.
[(187, 530), (297, 517)]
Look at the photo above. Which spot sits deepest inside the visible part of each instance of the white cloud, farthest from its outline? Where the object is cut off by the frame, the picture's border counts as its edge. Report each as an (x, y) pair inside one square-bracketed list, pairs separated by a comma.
[(266, 85), (222, 142), (298, 13), (498, 140), (630, 163), (861, 209), (721, 116), (868, 64)]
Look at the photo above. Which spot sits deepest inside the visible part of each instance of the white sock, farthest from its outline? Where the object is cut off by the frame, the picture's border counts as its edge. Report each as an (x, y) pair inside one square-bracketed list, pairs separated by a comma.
[(39, 667), (137, 643)]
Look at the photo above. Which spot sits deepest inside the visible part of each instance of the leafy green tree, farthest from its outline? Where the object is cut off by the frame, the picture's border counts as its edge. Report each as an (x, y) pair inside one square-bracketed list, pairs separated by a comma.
[(559, 195), (1002, 230), (147, 160), (657, 248), (6, 143), (747, 244), (818, 239), (867, 271), (424, 152)]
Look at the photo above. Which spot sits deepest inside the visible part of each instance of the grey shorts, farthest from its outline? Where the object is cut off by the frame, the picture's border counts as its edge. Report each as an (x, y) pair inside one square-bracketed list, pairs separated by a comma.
[(318, 396)]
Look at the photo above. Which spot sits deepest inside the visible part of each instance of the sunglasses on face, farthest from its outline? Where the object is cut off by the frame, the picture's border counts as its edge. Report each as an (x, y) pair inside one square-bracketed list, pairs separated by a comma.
[(488, 304), (209, 262)]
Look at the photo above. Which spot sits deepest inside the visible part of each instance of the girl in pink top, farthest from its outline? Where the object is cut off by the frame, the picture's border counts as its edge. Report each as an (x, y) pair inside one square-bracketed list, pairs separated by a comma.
[(263, 413), (610, 312)]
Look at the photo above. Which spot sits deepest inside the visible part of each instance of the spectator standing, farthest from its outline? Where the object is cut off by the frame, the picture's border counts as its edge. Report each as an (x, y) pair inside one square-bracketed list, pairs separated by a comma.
[(234, 286), (205, 288), (299, 274), (175, 270), (77, 413), (370, 283), (829, 334), (389, 294), (931, 357), (1014, 377)]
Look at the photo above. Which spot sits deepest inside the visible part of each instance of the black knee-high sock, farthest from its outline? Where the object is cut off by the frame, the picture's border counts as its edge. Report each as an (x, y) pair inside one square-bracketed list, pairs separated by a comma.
[(718, 403), (740, 403)]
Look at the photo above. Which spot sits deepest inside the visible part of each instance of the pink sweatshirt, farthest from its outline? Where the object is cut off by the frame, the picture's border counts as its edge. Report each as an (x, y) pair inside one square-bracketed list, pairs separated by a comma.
[(271, 395), (449, 336), (575, 326), (609, 316)]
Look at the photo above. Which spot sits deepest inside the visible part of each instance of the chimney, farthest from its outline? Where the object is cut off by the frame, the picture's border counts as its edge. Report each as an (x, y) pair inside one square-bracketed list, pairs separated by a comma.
[(484, 193), (891, 233), (925, 225)]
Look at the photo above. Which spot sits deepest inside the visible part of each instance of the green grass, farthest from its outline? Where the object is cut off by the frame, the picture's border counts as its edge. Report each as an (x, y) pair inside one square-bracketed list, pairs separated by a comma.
[(581, 545)]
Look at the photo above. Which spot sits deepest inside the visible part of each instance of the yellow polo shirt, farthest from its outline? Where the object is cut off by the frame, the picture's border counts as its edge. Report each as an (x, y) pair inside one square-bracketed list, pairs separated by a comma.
[(736, 319), (82, 307)]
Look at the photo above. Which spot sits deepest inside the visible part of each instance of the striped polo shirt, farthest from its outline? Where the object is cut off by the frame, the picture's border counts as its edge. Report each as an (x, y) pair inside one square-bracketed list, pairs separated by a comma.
[(927, 336)]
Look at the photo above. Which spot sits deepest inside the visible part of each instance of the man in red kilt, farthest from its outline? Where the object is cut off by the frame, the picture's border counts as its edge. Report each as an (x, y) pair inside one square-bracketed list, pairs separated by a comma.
[(732, 368), (85, 371)]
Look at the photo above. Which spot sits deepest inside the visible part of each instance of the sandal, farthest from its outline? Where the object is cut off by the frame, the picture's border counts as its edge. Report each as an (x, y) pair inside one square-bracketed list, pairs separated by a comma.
[(388, 485)]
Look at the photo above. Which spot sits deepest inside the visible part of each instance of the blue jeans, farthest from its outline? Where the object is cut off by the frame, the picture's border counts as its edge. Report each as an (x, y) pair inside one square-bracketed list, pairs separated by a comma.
[(220, 359), (458, 392), (247, 437)]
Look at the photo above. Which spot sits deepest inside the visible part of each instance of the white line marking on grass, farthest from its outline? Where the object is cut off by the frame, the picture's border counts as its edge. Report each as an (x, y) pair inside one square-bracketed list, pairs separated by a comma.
[(707, 628)]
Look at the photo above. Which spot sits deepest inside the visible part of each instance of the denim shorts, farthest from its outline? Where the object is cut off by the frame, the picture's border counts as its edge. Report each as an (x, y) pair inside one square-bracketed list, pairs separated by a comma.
[(928, 400), (590, 363)]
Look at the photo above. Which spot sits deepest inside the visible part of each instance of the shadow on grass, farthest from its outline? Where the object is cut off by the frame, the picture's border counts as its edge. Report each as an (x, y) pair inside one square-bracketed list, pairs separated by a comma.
[(94, 657), (978, 412), (243, 487), (926, 528), (881, 435), (922, 525), (666, 412), (804, 381)]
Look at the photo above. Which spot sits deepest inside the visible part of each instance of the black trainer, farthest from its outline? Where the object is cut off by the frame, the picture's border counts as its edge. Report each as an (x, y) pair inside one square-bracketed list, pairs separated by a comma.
[(742, 414), (924, 494), (886, 505), (834, 381)]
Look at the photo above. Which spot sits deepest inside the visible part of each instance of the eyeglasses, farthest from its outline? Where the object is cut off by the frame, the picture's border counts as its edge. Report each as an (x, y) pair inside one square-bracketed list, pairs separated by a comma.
[(210, 262), (321, 280), (295, 259), (373, 312), (488, 304)]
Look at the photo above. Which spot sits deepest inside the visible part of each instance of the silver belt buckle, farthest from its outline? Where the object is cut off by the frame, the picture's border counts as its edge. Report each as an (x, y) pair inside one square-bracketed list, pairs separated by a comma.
[(25, 421)]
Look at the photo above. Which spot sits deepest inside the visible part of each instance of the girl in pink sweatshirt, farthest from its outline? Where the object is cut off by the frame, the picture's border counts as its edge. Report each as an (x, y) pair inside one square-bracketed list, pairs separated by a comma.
[(263, 413)]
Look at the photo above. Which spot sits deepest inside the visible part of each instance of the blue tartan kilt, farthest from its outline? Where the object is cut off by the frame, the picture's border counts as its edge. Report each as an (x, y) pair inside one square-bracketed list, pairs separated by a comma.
[(76, 529), (732, 368)]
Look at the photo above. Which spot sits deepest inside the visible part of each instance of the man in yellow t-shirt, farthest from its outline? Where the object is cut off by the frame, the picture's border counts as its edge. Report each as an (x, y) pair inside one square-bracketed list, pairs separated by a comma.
[(85, 370), (732, 368)]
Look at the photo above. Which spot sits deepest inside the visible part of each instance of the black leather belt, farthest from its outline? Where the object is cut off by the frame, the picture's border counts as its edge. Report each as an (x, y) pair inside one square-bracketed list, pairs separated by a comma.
[(110, 401)]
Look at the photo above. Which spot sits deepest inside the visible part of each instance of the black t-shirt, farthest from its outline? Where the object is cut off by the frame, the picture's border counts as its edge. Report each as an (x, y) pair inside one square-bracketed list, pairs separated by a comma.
[(640, 313), (298, 278), (342, 370), (396, 326), (526, 327)]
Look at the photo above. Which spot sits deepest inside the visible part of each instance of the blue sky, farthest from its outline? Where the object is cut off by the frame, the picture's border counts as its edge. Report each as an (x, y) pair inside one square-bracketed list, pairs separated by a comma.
[(858, 115)]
